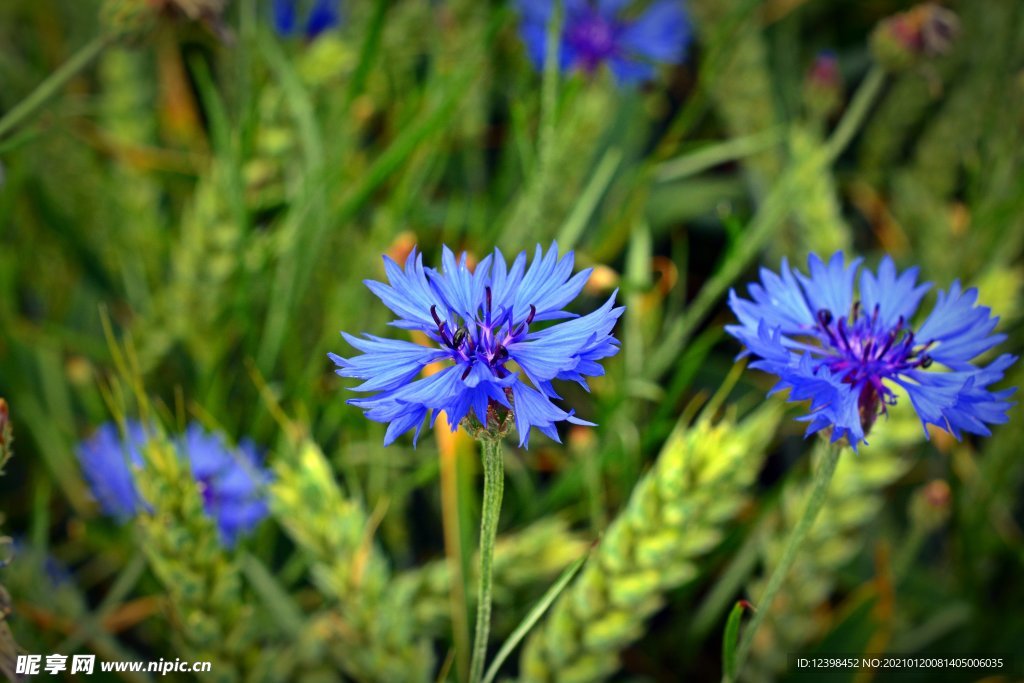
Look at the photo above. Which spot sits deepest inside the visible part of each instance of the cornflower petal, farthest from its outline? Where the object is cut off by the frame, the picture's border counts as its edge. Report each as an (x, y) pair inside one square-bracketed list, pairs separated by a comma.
[(483, 322), (108, 461), (325, 15), (830, 286), (660, 34), (408, 293), (231, 481), (845, 354), (596, 33)]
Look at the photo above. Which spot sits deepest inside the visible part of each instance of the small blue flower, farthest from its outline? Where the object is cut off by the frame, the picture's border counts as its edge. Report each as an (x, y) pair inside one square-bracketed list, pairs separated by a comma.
[(482, 325), (230, 481), (107, 461), (597, 33), (844, 353), (323, 15)]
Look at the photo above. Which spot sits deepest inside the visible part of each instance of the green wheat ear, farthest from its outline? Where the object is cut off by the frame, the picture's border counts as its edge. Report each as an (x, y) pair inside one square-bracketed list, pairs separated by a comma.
[(819, 227), (181, 543), (854, 499), (676, 514), (370, 631)]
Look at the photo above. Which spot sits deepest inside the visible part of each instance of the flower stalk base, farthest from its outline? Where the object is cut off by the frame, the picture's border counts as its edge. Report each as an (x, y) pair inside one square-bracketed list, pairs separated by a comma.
[(494, 485), (819, 489)]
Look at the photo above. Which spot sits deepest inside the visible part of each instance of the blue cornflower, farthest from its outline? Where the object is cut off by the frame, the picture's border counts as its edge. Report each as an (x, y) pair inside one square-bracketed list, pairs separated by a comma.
[(230, 480), (597, 33), (845, 354), (323, 15), (108, 461), (482, 325)]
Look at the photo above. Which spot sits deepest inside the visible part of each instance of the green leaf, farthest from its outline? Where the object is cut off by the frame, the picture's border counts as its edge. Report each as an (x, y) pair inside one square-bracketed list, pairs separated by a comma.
[(731, 639), (534, 616), (273, 594)]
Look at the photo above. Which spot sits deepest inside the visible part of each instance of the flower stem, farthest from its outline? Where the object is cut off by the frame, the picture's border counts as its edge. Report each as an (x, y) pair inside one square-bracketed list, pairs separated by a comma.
[(494, 484), (819, 488), (54, 82), (853, 119)]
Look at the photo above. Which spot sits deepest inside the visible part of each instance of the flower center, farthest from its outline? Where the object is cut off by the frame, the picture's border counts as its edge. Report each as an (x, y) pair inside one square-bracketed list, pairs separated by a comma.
[(864, 353), (207, 491), (483, 340), (593, 40)]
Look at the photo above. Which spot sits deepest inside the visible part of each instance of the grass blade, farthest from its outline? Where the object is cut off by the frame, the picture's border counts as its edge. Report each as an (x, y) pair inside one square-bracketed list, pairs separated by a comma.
[(730, 639), (534, 616)]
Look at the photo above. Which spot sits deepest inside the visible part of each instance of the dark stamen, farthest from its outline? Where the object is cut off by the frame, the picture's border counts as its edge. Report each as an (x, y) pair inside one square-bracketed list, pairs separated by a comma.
[(856, 311), (825, 317), (469, 369), (867, 350), (925, 361), (888, 344), (442, 328), (529, 319), (842, 334), (487, 291)]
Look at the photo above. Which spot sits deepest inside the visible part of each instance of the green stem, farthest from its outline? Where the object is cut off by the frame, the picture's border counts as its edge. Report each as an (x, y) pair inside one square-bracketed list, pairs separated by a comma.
[(494, 484), (52, 84), (796, 538), (853, 119)]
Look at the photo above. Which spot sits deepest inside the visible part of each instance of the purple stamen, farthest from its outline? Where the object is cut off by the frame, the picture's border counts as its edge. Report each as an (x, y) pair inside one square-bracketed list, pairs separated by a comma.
[(469, 344)]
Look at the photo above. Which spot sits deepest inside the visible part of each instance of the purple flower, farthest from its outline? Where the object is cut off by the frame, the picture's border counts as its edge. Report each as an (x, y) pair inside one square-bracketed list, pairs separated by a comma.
[(231, 481), (323, 15), (485, 327), (599, 33), (845, 353), (108, 461)]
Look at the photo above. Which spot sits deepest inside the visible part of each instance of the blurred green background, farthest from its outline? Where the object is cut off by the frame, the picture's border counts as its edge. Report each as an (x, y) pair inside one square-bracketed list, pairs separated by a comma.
[(185, 226)]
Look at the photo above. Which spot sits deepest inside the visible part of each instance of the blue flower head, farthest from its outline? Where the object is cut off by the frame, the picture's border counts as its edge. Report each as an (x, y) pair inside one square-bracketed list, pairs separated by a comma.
[(108, 461), (485, 327), (322, 16), (230, 481), (600, 33), (845, 353)]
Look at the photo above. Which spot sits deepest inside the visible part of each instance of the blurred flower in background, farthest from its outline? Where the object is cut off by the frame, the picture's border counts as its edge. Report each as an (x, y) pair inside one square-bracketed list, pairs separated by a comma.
[(138, 17), (321, 16), (823, 85), (108, 461), (480, 321), (604, 33), (921, 33), (230, 481), (844, 353)]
